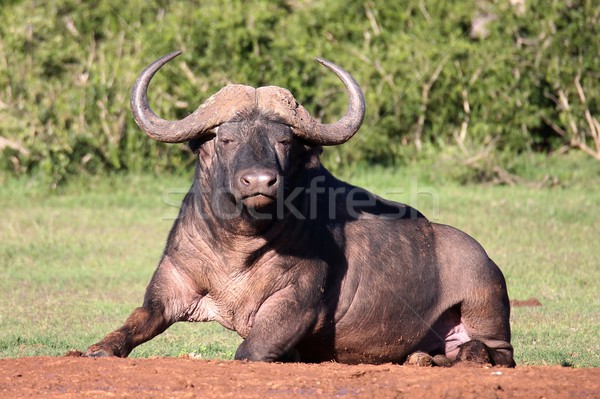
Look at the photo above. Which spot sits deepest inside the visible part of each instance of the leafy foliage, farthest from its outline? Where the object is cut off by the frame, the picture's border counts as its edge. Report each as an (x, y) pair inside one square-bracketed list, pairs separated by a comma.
[(468, 78)]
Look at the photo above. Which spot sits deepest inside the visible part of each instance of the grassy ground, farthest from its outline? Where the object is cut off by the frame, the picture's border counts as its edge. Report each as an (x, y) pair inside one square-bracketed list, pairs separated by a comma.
[(73, 264)]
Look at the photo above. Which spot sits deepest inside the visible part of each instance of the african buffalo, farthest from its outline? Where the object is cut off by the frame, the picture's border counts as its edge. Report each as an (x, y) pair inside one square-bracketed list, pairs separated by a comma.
[(302, 265)]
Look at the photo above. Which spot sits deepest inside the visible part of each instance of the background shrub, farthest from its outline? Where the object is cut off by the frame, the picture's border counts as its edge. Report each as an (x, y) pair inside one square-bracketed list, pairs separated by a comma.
[(475, 81)]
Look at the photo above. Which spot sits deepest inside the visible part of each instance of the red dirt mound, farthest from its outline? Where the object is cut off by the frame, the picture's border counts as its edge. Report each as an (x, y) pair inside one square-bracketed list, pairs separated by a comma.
[(73, 377)]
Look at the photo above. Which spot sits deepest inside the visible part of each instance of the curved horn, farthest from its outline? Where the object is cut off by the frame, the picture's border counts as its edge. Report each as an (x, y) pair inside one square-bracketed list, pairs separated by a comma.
[(217, 109), (342, 130)]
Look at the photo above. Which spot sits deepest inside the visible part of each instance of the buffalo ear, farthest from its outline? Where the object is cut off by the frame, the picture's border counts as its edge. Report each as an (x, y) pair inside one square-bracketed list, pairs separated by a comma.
[(313, 160), (196, 143), (204, 152)]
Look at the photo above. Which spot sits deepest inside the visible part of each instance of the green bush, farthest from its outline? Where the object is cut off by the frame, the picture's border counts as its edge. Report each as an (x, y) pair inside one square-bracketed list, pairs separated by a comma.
[(527, 81)]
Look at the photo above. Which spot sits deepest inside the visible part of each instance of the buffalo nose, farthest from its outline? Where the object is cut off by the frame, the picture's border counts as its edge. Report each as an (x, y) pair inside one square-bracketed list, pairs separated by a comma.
[(258, 179)]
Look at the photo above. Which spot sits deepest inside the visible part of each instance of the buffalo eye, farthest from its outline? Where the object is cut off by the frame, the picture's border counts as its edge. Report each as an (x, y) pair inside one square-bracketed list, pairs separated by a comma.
[(225, 140), (285, 142)]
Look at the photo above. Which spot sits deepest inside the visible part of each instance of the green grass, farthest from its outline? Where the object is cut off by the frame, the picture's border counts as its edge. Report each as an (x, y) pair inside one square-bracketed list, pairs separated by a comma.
[(74, 263)]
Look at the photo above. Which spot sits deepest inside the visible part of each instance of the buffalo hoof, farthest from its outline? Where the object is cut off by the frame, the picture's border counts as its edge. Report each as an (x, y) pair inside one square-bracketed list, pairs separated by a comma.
[(291, 357), (97, 353), (473, 353), (420, 359), (441, 361)]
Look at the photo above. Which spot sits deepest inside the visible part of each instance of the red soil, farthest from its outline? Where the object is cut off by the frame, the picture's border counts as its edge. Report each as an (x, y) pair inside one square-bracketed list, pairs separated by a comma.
[(75, 377)]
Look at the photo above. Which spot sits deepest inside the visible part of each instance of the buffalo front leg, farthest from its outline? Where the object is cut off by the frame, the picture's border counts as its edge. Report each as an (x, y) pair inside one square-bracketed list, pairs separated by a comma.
[(278, 326), (166, 293), (142, 325)]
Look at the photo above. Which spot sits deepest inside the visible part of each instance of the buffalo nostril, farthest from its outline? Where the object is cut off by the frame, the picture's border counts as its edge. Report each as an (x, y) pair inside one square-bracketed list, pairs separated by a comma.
[(270, 180), (259, 179)]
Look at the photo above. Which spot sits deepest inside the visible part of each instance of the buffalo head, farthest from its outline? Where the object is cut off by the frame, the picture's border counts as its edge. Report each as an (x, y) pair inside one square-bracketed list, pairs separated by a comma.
[(249, 141)]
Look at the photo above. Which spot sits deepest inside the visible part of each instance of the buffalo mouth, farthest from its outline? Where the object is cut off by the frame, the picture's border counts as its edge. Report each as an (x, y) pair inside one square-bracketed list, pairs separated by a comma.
[(258, 200)]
